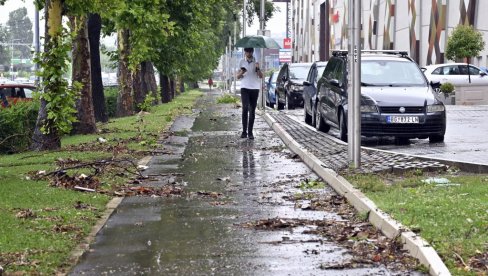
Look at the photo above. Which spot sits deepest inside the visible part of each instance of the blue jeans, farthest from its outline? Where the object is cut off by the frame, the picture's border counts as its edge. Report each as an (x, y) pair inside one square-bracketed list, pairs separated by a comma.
[(249, 99)]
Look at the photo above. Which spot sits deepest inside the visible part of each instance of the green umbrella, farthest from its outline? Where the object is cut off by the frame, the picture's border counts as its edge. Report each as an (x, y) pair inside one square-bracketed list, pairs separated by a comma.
[(257, 41)]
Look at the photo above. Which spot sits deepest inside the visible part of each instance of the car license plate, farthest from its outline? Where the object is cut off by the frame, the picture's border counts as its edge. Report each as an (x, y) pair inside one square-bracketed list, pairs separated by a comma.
[(402, 119)]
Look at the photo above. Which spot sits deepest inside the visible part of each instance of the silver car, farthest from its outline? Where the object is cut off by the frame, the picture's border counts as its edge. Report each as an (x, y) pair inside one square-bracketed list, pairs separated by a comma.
[(456, 73)]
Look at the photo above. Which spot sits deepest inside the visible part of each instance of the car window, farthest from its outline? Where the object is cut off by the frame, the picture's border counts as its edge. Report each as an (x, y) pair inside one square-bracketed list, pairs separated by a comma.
[(28, 92), (274, 77), (474, 70), (320, 71), (339, 71), (299, 72), (391, 72), (311, 74), (438, 71), (330, 68)]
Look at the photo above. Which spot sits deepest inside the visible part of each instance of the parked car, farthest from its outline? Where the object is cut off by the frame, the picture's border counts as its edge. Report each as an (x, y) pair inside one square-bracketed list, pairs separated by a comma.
[(289, 85), (456, 73), (396, 98), (310, 90), (270, 88), (11, 93)]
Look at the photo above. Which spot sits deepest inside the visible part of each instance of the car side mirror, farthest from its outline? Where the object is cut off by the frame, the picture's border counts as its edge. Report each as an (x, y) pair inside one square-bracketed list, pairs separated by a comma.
[(306, 83), (436, 85), (335, 83), (482, 73)]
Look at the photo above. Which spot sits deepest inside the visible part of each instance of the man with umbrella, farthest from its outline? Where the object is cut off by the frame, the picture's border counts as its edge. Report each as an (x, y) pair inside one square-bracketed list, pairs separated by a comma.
[(250, 75)]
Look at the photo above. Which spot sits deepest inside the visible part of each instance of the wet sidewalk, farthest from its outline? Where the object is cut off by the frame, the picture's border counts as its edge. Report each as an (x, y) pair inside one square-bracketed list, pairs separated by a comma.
[(235, 207)]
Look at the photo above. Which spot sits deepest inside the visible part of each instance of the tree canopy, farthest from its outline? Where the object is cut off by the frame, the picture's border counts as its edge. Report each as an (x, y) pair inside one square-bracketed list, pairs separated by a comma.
[(464, 42)]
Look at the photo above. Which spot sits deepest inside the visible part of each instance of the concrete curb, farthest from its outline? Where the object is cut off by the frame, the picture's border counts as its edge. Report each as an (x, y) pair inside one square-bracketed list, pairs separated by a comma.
[(416, 246)]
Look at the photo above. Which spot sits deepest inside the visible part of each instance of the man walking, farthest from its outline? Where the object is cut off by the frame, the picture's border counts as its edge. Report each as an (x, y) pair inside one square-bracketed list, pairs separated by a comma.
[(250, 75)]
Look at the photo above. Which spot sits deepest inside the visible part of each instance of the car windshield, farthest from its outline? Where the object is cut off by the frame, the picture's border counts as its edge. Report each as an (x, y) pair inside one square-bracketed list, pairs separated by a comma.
[(274, 77), (299, 72), (390, 73)]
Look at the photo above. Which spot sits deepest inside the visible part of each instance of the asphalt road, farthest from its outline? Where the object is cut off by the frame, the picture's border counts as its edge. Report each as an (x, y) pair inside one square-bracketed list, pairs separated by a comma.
[(466, 137)]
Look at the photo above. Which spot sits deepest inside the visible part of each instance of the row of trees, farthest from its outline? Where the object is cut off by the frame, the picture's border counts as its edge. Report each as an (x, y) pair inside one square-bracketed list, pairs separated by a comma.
[(182, 39), (16, 36)]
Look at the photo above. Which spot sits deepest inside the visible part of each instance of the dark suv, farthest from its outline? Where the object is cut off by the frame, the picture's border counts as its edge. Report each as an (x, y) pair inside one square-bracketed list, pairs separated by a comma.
[(289, 85), (396, 98)]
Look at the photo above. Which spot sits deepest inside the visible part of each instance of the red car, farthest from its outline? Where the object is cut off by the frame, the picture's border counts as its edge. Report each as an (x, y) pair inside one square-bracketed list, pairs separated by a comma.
[(11, 93)]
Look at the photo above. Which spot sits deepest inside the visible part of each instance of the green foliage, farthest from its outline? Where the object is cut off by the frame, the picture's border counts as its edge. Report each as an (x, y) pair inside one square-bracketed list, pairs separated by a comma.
[(254, 9), (17, 124), (4, 50), (147, 103), (447, 88), (20, 27), (464, 42), (311, 184), (111, 100), (228, 98), (60, 100)]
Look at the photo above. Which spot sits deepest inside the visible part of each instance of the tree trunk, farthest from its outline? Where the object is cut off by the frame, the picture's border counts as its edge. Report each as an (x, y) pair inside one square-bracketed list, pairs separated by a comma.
[(98, 96), (182, 86), (137, 83), (172, 87), (125, 102), (149, 82), (82, 74), (165, 89), (49, 140)]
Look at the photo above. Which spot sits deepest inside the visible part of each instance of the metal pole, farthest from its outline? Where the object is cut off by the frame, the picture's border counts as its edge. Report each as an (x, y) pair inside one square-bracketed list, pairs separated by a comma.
[(350, 78), (37, 42), (357, 85), (261, 56), (244, 5), (234, 51)]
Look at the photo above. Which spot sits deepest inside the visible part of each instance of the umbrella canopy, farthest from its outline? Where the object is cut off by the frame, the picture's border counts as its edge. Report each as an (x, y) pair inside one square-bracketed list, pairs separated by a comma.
[(257, 41)]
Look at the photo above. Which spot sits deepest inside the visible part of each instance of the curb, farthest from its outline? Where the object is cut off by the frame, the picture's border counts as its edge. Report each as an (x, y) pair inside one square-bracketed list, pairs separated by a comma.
[(416, 246)]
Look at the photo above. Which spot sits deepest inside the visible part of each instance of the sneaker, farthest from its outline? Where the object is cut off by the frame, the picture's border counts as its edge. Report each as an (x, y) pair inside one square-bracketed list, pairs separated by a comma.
[(251, 136), (243, 135)]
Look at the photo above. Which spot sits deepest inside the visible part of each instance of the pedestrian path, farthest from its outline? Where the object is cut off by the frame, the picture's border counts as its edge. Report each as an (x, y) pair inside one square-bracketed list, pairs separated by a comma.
[(231, 211)]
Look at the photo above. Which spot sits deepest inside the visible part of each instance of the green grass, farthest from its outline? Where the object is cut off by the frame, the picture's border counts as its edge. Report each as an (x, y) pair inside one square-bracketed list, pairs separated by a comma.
[(453, 219), (40, 243), (228, 98)]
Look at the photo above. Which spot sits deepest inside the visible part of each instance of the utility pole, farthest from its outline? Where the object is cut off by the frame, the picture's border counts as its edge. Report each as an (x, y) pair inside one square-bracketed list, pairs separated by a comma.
[(261, 55), (354, 84)]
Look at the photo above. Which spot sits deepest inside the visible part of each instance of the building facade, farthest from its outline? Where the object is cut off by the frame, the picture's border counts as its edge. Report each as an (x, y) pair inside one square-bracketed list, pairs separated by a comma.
[(420, 27)]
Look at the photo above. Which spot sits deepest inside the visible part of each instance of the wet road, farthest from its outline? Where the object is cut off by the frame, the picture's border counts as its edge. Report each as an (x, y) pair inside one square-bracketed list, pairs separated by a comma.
[(465, 139), (229, 183)]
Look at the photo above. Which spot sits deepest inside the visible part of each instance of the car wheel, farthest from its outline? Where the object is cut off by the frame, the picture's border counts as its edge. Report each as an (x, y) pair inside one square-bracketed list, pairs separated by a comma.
[(308, 118), (342, 127), (288, 104), (320, 125), (279, 105), (436, 138)]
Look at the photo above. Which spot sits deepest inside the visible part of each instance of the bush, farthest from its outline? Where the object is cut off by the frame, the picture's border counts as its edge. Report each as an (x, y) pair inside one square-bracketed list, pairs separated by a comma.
[(17, 124), (447, 88), (111, 100)]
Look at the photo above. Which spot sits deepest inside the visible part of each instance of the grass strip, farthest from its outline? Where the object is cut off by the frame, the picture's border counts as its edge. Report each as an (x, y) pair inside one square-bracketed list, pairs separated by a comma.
[(39, 224), (452, 217)]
